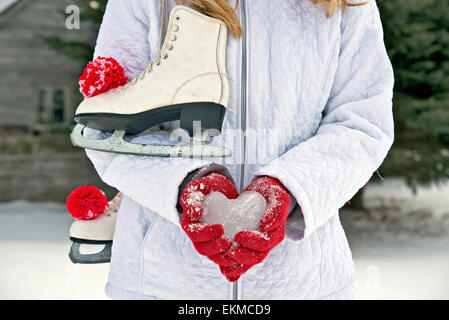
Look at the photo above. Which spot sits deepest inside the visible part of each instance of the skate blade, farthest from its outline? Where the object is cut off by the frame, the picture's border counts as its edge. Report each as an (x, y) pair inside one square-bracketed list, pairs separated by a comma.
[(117, 144), (104, 256)]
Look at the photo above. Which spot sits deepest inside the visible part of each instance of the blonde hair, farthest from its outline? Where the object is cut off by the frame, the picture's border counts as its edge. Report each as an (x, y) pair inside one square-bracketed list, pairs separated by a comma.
[(331, 6), (221, 9)]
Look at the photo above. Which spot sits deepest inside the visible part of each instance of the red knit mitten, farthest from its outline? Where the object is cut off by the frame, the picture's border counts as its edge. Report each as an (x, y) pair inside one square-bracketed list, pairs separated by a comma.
[(207, 239), (250, 247), (254, 245)]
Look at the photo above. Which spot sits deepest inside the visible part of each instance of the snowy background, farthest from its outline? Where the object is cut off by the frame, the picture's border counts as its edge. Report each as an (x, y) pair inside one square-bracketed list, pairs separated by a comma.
[(400, 247)]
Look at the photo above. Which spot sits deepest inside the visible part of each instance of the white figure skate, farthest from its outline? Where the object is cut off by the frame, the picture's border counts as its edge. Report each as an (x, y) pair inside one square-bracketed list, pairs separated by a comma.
[(95, 233), (187, 82)]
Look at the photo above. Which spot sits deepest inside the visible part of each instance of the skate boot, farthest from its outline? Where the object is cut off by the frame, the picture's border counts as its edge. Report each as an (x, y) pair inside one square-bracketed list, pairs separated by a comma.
[(95, 233), (187, 81)]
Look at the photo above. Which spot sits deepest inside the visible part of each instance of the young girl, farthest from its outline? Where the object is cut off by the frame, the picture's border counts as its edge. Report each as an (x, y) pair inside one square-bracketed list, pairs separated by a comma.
[(310, 113)]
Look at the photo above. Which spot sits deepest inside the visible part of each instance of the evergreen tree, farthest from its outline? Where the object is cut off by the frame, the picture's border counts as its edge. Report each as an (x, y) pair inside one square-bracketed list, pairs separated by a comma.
[(417, 39)]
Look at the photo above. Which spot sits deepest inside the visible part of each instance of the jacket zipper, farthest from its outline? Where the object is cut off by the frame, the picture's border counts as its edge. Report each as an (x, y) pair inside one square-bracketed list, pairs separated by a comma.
[(243, 110), (237, 286)]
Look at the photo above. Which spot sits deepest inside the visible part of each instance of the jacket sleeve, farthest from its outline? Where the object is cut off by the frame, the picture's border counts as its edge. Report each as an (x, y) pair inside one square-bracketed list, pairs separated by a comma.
[(356, 130), (152, 182), (123, 35)]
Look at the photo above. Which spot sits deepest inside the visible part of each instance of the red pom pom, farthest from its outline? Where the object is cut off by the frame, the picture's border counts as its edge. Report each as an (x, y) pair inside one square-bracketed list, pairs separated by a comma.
[(101, 75), (86, 202)]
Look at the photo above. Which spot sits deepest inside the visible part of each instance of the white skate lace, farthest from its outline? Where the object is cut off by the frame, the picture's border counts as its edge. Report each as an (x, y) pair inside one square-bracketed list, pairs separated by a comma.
[(114, 204), (164, 16)]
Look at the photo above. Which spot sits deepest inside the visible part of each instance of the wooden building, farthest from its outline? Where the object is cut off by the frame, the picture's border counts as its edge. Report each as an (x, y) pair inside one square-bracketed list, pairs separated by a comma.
[(38, 85)]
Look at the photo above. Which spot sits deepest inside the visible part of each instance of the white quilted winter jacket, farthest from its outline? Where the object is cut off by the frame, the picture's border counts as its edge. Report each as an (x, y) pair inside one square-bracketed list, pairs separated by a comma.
[(316, 106)]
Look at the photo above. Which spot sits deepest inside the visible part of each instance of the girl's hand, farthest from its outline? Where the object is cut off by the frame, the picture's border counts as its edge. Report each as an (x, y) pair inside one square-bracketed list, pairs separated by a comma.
[(207, 239), (278, 202), (254, 245), (251, 247)]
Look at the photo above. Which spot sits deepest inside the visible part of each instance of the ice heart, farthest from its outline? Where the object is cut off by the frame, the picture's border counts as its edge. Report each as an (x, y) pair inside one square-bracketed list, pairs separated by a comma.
[(243, 213)]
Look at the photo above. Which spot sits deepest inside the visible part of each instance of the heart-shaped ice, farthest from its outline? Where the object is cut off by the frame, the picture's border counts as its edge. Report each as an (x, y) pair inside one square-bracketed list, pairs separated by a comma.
[(243, 213)]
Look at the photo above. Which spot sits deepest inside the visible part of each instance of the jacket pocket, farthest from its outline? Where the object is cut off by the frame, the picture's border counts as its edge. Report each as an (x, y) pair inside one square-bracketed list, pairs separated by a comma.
[(143, 252), (337, 269), (172, 269), (131, 229)]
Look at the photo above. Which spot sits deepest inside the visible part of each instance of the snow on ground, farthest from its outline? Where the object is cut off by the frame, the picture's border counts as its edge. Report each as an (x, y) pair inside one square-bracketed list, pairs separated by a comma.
[(400, 244), (400, 247), (398, 272), (34, 262)]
